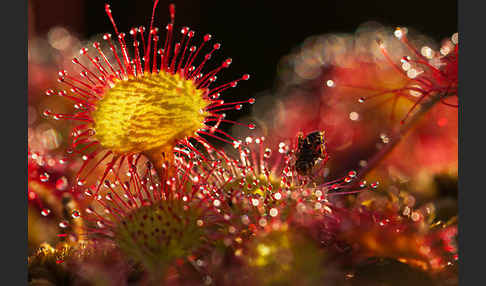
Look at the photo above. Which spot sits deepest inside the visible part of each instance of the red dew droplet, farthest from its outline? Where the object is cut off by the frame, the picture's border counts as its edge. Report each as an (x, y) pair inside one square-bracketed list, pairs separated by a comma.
[(245, 77), (63, 224), (238, 107), (251, 126), (45, 212), (59, 261), (251, 100), (75, 214), (227, 62), (44, 177)]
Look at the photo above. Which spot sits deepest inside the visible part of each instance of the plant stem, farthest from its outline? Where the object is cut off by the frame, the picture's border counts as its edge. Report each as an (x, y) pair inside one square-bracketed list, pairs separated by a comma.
[(396, 137)]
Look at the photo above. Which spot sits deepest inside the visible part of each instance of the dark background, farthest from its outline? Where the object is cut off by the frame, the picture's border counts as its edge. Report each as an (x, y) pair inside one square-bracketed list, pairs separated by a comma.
[(256, 34)]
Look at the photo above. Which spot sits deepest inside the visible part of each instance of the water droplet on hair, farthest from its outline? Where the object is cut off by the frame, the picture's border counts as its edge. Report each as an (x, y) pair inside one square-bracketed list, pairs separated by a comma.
[(268, 153), (63, 224), (45, 212), (75, 214), (44, 177), (362, 184)]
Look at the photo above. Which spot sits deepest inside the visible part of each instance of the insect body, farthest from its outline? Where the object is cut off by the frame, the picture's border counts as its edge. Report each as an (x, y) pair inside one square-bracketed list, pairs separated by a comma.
[(311, 150)]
